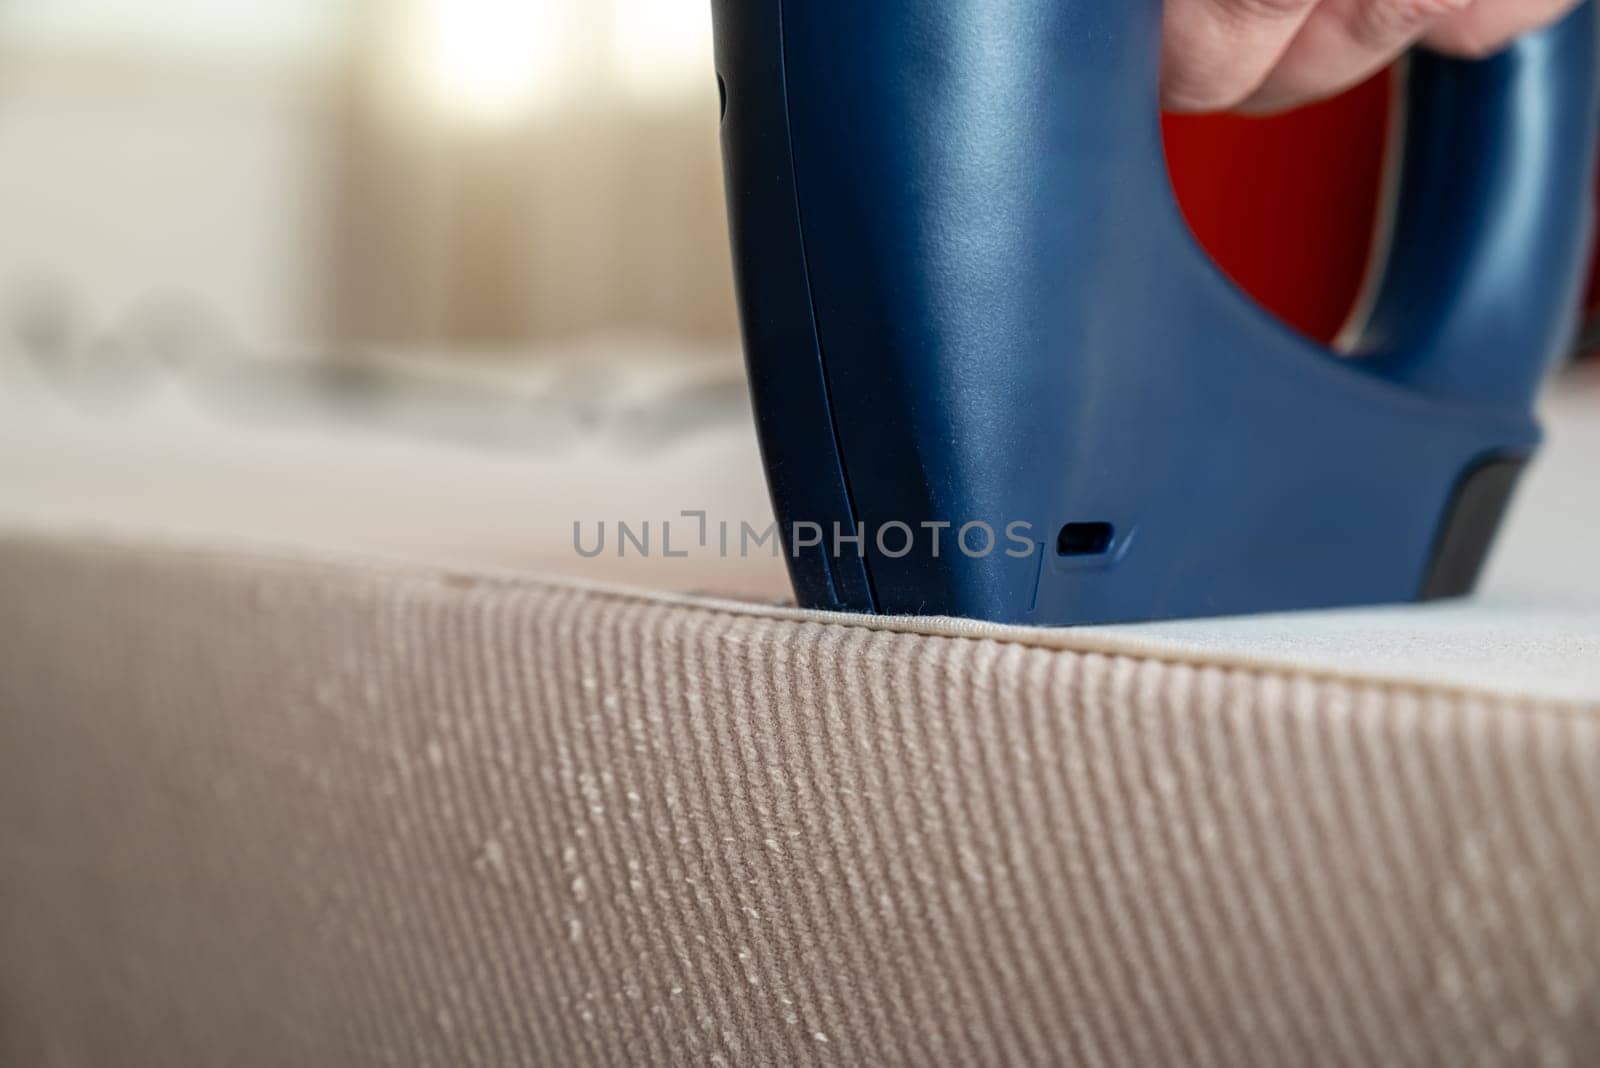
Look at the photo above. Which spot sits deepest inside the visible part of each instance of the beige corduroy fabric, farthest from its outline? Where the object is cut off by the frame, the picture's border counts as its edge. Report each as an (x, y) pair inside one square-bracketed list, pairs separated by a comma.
[(256, 811)]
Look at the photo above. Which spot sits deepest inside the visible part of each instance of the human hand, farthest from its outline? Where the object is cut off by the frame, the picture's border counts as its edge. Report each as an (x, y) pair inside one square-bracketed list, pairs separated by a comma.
[(1267, 55)]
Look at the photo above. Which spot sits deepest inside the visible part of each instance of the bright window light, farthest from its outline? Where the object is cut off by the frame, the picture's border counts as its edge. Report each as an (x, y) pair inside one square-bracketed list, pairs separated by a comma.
[(495, 59)]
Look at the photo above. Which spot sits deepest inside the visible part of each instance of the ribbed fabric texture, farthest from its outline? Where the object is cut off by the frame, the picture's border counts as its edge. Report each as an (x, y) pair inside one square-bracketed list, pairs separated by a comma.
[(266, 812)]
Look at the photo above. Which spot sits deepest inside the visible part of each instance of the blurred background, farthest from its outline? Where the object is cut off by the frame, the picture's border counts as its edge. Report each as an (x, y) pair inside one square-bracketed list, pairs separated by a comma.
[(384, 275), (423, 276), (338, 173)]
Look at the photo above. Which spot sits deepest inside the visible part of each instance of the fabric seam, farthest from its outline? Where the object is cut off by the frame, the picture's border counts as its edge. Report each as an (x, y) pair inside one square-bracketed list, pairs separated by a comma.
[(458, 577)]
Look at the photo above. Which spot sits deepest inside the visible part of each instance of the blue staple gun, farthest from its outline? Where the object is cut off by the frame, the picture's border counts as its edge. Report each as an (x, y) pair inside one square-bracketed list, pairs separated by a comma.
[(996, 378)]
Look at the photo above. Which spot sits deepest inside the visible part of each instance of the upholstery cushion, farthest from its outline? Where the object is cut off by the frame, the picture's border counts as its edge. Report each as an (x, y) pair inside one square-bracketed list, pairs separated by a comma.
[(260, 809)]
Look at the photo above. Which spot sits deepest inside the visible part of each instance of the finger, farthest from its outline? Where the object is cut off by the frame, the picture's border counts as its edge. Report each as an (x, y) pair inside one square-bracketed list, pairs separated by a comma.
[(1216, 52), (1346, 41), (1490, 25)]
